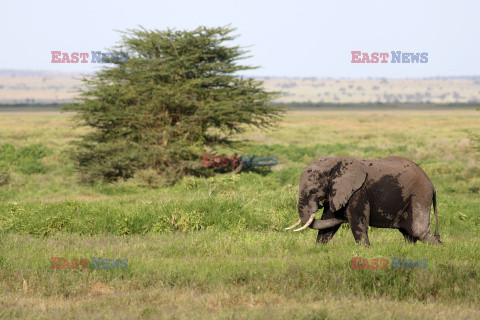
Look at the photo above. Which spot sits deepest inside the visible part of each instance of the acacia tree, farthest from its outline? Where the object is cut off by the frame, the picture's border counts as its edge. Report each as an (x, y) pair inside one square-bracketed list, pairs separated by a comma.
[(176, 94)]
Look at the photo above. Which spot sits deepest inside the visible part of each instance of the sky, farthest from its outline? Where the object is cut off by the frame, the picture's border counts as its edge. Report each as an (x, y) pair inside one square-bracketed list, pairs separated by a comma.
[(285, 38)]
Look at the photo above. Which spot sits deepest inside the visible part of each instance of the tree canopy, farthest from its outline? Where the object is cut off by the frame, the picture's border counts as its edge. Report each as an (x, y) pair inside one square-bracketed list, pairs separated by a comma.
[(176, 94)]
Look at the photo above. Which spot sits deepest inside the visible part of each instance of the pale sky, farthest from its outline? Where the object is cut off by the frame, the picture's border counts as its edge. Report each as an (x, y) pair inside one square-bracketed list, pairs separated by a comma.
[(287, 38)]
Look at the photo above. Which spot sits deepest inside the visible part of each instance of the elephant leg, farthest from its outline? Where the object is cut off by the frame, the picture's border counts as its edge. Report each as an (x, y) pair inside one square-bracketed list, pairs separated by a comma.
[(360, 233), (420, 228), (325, 235), (358, 215), (408, 237)]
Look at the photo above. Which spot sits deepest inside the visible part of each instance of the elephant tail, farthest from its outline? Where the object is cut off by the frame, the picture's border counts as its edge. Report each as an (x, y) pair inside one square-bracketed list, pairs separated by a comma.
[(437, 235)]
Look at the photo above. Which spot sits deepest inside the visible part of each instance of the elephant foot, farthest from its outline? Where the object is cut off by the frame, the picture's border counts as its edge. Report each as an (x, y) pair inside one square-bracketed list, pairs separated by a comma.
[(363, 241), (408, 237), (430, 238)]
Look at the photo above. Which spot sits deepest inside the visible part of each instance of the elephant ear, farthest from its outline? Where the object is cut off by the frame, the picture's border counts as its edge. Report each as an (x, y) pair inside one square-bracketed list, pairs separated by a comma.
[(348, 175)]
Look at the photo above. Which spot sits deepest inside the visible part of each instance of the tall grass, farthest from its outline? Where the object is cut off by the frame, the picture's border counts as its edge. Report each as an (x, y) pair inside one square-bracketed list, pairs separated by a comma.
[(215, 247)]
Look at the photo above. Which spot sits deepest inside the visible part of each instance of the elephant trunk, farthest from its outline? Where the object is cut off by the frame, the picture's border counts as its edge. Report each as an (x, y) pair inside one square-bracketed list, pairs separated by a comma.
[(306, 211), (324, 224)]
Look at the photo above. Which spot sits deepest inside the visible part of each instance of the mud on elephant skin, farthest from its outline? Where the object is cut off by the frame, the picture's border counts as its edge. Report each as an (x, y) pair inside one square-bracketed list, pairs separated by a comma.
[(392, 192)]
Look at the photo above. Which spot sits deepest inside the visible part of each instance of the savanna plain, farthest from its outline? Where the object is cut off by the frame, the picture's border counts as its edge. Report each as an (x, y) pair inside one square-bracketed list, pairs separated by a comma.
[(216, 248)]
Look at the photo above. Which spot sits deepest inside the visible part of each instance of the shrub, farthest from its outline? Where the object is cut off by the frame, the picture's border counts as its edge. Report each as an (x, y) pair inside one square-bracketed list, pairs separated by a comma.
[(176, 94), (149, 178), (26, 159)]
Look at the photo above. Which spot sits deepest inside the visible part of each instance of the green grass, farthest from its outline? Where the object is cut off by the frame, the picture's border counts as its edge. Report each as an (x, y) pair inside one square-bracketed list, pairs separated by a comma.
[(25, 159), (216, 248)]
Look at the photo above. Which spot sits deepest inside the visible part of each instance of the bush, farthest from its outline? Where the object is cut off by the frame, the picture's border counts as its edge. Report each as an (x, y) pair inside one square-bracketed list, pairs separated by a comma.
[(149, 178), (26, 159), (176, 94)]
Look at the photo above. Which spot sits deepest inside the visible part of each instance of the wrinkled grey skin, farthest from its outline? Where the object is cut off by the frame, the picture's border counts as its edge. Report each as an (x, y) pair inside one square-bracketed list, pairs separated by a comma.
[(391, 192)]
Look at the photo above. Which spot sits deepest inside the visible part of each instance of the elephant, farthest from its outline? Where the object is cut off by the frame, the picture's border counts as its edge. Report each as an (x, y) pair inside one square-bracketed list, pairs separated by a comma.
[(392, 192)]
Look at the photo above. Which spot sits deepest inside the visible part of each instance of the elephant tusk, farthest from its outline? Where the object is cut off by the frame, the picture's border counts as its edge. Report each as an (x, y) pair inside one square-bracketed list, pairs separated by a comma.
[(296, 224), (309, 222)]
